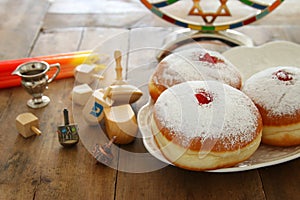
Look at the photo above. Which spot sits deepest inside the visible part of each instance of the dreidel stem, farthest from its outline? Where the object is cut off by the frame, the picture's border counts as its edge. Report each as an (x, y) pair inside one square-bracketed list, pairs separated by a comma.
[(106, 93), (118, 58), (36, 130), (66, 117), (119, 78), (111, 141)]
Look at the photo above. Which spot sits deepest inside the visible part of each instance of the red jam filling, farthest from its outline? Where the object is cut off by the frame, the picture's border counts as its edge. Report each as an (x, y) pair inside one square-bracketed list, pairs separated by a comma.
[(210, 59), (203, 97), (283, 75)]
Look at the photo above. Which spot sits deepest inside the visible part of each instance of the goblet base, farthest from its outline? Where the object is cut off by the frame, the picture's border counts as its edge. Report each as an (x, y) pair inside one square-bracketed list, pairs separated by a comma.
[(42, 102)]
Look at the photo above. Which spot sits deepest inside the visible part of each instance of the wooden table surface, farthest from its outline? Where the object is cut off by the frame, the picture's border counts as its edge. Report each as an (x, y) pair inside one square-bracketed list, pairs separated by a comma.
[(40, 168)]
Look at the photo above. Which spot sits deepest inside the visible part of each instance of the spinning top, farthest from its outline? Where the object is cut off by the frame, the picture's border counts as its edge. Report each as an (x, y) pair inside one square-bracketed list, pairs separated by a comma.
[(93, 109), (85, 73), (67, 133), (103, 153), (121, 91), (27, 125), (81, 94), (120, 121)]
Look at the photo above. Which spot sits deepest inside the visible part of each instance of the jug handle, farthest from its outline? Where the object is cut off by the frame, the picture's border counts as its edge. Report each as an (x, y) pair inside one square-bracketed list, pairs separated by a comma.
[(57, 65)]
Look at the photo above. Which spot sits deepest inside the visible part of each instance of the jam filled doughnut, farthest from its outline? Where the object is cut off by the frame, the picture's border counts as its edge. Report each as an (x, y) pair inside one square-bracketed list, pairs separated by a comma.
[(204, 125), (276, 93), (192, 65)]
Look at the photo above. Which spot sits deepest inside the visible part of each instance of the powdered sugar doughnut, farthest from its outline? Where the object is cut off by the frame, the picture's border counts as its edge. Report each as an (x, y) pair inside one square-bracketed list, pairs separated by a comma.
[(201, 125), (276, 93), (192, 65)]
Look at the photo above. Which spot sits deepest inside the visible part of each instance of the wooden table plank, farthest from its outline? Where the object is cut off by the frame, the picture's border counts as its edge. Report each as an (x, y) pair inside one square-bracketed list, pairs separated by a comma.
[(18, 163), (51, 170), (18, 32), (80, 176), (175, 183), (282, 181), (19, 27), (57, 41), (99, 38), (104, 13)]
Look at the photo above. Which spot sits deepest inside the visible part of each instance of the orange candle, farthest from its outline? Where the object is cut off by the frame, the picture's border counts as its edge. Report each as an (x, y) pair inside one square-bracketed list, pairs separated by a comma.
[(67, 61), (11, 65)]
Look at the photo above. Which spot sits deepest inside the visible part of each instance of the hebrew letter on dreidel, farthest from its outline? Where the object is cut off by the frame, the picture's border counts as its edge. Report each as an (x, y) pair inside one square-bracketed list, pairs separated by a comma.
[(97, 109), (93, 110), (27, 125)]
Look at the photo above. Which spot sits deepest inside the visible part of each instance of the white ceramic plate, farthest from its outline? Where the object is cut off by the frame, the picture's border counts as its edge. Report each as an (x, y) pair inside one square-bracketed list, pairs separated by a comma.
[(264, 156), (249, 60)]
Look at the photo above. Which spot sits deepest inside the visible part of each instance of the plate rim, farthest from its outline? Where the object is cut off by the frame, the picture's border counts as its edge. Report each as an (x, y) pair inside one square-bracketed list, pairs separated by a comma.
[(221, 170)]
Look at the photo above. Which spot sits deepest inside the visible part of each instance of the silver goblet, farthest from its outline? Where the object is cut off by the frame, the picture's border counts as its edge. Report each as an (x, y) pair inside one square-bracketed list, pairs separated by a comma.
[(35, 80)]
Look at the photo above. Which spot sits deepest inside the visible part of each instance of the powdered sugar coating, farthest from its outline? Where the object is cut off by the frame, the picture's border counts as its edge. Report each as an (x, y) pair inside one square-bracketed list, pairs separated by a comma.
[(276, 96), (188, 65), (231, 117)]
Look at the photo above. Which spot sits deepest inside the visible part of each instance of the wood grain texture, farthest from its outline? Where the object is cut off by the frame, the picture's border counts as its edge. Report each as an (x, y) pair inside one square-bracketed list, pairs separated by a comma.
[(174, 183), (68, 175), (40, 168), (282, 181), (20, 24)]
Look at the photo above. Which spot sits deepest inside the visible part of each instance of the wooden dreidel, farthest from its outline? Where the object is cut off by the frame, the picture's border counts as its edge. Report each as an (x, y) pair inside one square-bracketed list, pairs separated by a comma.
[(121, 91), (27, 125), (85, 73), (67, 133), (103, 153), (120, 122), (81, 94), (93, 109)]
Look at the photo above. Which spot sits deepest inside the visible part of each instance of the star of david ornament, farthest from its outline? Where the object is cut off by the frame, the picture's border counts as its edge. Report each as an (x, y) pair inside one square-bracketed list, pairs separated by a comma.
[(211, 19), (221, 11), (183, 12)]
